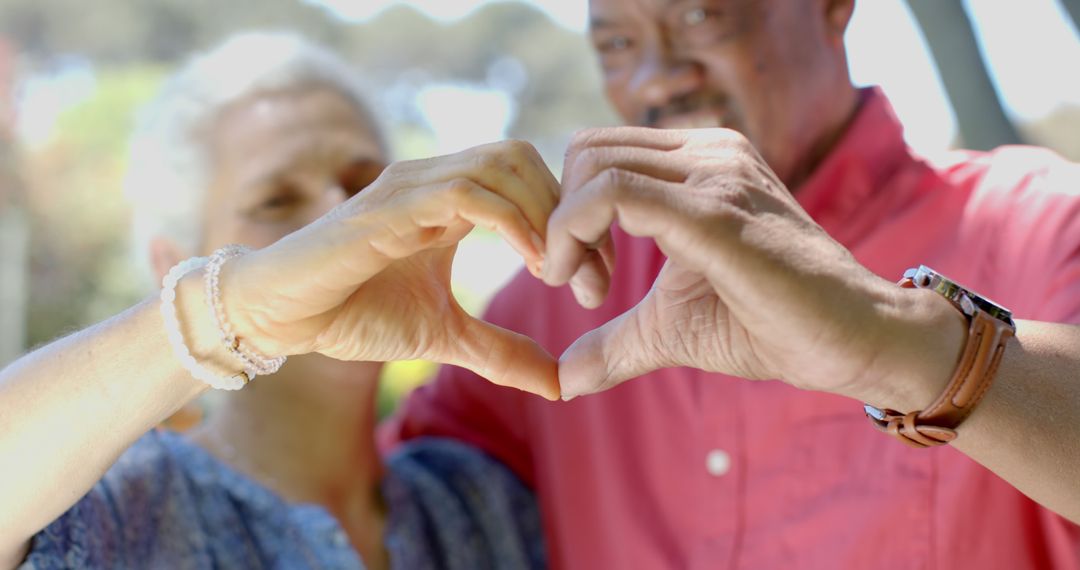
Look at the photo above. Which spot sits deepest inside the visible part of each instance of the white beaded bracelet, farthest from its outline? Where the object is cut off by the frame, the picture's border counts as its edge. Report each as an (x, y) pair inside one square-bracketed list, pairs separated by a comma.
[(254, 362), (176, 338)]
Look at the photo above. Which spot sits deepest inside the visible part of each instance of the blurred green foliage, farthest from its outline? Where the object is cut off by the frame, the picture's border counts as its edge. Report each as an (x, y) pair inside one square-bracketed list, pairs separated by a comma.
[(81, 270), (100, 126)]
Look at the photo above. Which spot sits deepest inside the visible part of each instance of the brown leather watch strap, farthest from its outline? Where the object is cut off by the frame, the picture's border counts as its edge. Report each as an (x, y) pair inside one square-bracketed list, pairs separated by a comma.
[(936, 425)]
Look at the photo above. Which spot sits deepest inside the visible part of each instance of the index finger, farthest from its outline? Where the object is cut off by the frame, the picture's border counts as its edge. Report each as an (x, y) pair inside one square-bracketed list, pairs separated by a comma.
[(639, 203), (644, 137)]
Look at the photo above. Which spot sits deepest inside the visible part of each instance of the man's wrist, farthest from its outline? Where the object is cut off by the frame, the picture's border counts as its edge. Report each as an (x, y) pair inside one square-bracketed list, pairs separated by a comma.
[(919, 348)]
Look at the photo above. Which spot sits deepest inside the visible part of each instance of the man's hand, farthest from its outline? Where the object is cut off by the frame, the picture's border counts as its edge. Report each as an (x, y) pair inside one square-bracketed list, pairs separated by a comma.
[(752, 286)]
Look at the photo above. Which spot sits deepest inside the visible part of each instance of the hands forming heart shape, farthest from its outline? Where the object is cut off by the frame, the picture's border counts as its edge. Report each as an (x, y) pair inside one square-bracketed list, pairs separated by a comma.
[(752, 286)]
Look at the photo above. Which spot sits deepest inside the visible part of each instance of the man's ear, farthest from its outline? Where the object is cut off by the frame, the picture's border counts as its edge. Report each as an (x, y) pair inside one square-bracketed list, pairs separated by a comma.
[(164, 254), (837, 17)]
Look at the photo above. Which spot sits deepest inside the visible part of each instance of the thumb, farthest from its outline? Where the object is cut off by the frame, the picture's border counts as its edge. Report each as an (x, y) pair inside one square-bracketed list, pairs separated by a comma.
[(610, 355), (506, 358)]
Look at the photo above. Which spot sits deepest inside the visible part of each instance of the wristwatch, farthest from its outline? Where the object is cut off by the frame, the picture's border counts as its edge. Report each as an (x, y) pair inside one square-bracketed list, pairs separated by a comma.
[(990, 326)]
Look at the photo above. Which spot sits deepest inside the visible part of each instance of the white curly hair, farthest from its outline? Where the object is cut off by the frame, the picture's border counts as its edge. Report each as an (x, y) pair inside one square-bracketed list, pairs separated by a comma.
[(169, 167)]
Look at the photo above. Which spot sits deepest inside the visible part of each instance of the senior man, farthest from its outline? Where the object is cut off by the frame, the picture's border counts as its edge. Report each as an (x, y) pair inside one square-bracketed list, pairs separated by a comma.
[(684, 468)]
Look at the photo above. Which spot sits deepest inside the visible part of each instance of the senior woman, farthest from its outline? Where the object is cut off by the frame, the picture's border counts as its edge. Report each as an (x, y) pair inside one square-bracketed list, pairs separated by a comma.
[(265, 142)]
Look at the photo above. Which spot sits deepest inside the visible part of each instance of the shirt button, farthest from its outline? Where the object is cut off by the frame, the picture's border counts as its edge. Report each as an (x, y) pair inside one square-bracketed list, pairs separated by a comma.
[(717, 462), (340, 540)]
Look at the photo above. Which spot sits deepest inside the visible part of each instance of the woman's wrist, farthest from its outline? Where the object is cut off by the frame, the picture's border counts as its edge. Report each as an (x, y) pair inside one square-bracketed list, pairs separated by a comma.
[(200, 334)]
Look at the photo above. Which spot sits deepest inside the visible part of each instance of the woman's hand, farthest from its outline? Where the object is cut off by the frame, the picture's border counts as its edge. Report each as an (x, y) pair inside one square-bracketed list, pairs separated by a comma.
[(371, 279)]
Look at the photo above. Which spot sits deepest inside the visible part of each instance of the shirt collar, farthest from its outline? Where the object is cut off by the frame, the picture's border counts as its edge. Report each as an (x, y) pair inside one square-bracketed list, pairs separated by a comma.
[(860, 164)]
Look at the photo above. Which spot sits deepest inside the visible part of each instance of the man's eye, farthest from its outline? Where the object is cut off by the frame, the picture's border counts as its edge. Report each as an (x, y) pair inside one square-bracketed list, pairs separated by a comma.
[(698, 16), (694, 16), (702, 26), (614, 44)]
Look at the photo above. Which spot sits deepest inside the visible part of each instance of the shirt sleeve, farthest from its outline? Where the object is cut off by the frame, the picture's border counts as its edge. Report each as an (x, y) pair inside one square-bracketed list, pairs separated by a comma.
[(453, 507), (461, 405), (83, 537), (1038, 251), (103, 529)]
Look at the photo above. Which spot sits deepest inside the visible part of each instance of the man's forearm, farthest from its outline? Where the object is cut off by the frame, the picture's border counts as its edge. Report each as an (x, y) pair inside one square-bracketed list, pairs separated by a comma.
[(1027, 428)]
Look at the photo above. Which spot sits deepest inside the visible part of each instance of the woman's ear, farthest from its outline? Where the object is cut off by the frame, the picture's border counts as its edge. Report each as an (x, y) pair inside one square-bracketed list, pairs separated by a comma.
[(164, 254)]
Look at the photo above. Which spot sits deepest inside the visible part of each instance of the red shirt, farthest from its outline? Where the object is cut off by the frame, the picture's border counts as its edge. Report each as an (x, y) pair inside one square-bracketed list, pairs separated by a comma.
[(686, 469)]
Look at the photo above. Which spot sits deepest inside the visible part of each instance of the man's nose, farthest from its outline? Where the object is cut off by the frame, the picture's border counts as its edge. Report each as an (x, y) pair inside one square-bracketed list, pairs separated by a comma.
[(664, 75)]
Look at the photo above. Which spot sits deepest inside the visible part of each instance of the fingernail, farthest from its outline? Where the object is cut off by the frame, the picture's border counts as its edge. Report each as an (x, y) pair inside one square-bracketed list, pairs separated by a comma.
[(582, 296)]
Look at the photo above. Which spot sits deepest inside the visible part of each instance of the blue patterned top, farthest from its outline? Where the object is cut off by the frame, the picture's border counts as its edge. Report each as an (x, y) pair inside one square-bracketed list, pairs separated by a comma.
[(167, 503)]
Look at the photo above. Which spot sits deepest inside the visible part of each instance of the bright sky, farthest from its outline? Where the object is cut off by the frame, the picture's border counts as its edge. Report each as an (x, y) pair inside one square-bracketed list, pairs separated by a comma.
[(886, 48), (569, 13)]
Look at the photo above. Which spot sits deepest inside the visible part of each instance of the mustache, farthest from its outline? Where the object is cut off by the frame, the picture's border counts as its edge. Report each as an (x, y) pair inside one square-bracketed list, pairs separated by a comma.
[(679, 105)]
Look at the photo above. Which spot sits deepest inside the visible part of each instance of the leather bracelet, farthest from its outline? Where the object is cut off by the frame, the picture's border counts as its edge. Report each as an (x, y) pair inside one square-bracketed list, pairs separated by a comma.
[(983, 349)]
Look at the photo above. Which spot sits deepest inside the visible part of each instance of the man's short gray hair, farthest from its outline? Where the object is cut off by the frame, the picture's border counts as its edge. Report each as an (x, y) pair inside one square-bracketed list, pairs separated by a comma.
[(169, 164)]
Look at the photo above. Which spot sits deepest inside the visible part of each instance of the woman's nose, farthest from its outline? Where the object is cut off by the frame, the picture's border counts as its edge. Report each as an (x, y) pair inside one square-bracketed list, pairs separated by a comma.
[(336, 194)]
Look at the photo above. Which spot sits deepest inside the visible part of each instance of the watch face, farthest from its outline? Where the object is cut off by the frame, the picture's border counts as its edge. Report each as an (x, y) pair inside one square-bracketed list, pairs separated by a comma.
[(875, 413), (926, 278)]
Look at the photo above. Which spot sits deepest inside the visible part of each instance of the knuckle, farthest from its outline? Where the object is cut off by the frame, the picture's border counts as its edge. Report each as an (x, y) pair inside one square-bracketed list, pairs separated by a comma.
[(491, 159), (519, 149), (581, 140), (736, 139), (392, 171), (590, 159), (614, 185), (729, 198), (613, 180), (720, 138), (732, 134), (521, 156), (730, 207), (458, 189), (580, 137)]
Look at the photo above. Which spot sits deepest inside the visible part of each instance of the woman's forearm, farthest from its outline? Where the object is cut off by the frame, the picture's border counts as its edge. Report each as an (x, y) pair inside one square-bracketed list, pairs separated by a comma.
[(69, 409), (336, 287)]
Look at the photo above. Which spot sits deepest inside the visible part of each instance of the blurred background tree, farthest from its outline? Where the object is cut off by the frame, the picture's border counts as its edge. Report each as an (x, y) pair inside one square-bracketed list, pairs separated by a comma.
[(1073, 8), (982, 121)]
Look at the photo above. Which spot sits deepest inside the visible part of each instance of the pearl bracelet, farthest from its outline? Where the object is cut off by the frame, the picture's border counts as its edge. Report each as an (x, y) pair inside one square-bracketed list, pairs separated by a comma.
[(254, 362), (176, 338)]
